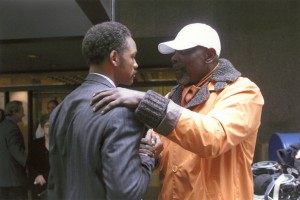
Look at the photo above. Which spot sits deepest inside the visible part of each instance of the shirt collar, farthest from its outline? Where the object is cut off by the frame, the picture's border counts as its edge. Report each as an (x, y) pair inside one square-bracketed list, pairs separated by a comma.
[(109, 80)]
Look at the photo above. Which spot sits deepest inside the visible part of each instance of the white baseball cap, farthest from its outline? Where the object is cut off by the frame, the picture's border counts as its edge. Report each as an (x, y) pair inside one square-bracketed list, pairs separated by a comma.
[(192, 35)]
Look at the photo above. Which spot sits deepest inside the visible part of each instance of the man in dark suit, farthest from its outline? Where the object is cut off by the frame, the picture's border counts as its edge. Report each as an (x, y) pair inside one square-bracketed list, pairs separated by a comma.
[(96, 156), (13, 177)]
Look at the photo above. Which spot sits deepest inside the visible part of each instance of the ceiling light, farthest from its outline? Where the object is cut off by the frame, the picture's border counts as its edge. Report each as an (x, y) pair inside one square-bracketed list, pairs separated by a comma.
[(32, 56)]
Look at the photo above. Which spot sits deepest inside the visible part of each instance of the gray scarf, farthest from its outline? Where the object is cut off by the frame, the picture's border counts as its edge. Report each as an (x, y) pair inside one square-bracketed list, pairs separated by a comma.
[(225, 73)]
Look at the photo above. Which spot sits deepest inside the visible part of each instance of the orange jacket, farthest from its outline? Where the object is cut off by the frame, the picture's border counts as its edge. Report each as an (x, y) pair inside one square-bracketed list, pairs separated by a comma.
[(208, 155)]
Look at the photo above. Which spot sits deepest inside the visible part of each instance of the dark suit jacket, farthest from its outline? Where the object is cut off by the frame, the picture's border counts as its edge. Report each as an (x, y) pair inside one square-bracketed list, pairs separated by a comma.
[(94, 156), (12, 154), (38, 164)]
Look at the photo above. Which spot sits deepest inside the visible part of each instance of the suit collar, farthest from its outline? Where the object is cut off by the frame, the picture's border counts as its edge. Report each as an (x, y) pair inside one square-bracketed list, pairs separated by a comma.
[(99, 79)]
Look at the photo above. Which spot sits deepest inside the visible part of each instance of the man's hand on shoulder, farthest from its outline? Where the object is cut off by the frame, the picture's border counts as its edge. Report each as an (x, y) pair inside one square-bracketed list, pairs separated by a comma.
[(111, 98)]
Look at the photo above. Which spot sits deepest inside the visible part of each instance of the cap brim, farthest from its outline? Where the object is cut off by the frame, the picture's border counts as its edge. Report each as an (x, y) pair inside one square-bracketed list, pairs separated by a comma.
[(165, 48), (171, 46)]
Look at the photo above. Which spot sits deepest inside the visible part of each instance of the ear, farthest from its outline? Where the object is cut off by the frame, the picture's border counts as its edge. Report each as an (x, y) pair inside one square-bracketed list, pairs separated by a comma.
[(210, 55), (114, 58)]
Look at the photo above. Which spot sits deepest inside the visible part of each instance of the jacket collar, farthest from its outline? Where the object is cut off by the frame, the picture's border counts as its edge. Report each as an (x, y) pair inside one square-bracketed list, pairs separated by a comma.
[(99, 79), (225, 73)]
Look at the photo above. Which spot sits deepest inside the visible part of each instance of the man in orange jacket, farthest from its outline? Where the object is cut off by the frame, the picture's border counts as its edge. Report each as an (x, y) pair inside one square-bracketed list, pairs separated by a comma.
[(209, 121)]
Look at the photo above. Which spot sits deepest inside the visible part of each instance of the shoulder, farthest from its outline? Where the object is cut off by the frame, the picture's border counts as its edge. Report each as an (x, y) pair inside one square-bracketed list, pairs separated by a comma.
[(248, 85), (242, 83), (245, 81), (122, 116), (8, 125), (244, 88)]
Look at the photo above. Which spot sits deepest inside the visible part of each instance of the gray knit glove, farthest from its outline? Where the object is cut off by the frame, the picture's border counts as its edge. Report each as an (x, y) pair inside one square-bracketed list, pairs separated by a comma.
[(152, 109)]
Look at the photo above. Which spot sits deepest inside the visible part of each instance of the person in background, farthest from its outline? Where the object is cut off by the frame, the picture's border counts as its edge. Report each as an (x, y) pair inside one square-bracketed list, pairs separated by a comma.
[(209, 120), (13, 177), (2, 115), (50, 106), (94, 157), (38, 161)]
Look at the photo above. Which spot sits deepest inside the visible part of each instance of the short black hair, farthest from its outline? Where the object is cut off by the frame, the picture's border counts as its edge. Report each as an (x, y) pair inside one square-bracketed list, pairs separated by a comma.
[(13, 107), (54, 101), (103, 38)]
